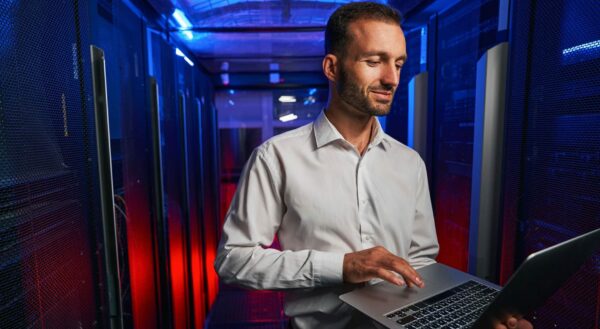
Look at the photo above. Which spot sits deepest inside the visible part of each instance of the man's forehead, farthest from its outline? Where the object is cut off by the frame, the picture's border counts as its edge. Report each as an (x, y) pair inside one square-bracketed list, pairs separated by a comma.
[(376, 38), (366, 25)]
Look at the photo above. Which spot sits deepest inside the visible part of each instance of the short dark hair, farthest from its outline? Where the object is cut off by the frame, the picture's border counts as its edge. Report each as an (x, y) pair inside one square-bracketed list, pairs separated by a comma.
[(336, 33)]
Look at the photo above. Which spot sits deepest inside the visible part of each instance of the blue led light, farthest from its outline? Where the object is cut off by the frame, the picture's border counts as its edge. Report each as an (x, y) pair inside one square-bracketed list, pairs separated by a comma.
[(582, 52), (225, 79), (274, 78), (423, 59), (583, 47), (312, 91)]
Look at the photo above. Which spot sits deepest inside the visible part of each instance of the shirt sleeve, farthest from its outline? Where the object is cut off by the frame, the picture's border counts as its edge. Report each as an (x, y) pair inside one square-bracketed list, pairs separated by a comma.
[(251, 223), (424, 246)]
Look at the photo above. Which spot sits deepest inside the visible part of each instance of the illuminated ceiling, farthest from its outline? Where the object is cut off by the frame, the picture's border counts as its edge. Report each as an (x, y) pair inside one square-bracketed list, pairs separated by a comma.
[(253, 36)]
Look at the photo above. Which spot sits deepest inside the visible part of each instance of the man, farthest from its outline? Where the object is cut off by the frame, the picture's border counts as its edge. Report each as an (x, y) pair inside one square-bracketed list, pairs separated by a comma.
[(348, 203)]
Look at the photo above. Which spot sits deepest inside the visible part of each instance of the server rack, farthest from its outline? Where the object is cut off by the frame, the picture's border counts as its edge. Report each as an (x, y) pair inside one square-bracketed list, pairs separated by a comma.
[(210, 182), (53, 266), (551, 178), (119, 30), (463, 33), (416, 49), (49, 211)]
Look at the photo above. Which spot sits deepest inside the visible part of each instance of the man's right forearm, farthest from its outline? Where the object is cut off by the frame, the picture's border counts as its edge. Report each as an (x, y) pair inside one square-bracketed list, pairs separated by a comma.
[(260, 268)]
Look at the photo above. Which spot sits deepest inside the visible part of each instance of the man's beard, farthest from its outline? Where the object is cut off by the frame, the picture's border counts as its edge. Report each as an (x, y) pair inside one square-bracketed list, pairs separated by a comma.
[(351, 94)]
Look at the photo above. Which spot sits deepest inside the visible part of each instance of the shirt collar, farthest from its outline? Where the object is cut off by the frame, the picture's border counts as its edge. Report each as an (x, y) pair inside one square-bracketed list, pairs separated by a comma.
[(325, 132)]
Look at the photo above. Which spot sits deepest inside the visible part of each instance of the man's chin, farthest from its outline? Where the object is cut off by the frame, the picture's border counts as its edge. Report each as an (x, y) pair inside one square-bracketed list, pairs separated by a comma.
[(379, 111)]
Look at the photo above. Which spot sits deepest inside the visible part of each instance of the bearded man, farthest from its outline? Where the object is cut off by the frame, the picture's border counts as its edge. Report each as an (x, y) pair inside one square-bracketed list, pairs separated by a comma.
[(348, 203)]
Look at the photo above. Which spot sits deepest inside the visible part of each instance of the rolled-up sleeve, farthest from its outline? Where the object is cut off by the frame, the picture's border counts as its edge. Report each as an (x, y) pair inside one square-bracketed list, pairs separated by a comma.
[(251, 223), (424, 245)]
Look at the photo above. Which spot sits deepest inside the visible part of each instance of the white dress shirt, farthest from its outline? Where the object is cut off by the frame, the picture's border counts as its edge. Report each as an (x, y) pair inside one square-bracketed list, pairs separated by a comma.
[(312, 189)]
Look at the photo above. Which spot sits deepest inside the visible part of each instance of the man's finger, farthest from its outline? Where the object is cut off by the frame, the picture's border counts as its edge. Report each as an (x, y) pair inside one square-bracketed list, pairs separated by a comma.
[(524, 324), (409, 274), (389, 276)]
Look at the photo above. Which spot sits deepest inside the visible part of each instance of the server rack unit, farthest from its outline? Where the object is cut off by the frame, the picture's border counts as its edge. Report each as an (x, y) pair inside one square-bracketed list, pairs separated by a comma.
[(53, 269), (552, 189), (119, 31), (211, 183), (462, 34), (416, 49), (172, 174), (50, 236)]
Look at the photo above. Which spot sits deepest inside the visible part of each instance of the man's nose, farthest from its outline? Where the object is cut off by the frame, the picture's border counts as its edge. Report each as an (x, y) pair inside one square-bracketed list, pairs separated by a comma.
[(390, 76)]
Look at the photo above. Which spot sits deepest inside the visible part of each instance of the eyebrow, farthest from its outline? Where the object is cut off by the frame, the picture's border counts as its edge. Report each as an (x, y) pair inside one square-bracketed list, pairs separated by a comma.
[(382, 54)]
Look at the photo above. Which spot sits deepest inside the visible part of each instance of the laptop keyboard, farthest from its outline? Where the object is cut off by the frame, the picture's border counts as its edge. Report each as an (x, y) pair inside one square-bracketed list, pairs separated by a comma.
[(458, 307)]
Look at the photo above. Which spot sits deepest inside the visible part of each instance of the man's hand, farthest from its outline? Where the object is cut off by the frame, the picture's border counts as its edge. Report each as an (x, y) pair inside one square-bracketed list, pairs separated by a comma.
[(377, 262), (513, 323)]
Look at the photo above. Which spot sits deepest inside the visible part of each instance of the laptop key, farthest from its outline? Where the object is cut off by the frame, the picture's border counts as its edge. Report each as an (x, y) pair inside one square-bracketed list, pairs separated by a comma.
[(414, 308), (406, 320)]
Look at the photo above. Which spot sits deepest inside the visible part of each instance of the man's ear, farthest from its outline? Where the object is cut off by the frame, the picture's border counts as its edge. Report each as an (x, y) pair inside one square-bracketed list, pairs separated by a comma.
[(330, 63)]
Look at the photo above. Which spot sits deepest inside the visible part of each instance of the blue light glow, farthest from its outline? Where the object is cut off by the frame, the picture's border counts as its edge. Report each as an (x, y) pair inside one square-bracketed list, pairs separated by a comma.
[(312, 91), (225, 79), (382, 121), (184, 23), (310, 100), (288, 117), (203, 5), (274, 78), (583, 52), (274, 75), (423, 59), (179, 53), (179, 16), (188, 61), (583, 47)]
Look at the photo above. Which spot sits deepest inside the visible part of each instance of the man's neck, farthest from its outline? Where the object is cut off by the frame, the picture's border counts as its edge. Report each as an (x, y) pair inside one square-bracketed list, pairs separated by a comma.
[(355, 128)]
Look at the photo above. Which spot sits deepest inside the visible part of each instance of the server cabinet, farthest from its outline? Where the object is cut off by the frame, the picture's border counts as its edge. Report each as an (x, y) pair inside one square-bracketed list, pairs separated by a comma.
[(119, 31), (211, 183), (190, 110), (463, 33), (552, 189), (50, 263), (171, 108), (416, 49)]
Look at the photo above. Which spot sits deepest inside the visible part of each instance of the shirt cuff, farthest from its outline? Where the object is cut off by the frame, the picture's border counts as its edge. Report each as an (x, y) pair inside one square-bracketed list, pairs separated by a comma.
[(328, 268)]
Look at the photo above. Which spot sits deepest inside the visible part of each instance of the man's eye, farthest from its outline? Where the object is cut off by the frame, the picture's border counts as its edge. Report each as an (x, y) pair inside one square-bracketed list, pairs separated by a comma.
[(372, 63)]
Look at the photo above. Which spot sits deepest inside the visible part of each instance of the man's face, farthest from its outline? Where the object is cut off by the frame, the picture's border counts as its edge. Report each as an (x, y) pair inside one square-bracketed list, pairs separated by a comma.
[(369, 71)]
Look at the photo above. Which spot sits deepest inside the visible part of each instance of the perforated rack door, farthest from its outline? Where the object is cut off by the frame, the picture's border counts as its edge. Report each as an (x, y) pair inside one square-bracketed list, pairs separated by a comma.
[(48, 263), (552, 185)]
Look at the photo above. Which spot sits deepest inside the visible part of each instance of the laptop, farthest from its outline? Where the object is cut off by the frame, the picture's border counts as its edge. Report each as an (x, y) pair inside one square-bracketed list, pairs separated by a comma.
[(454, 299)]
